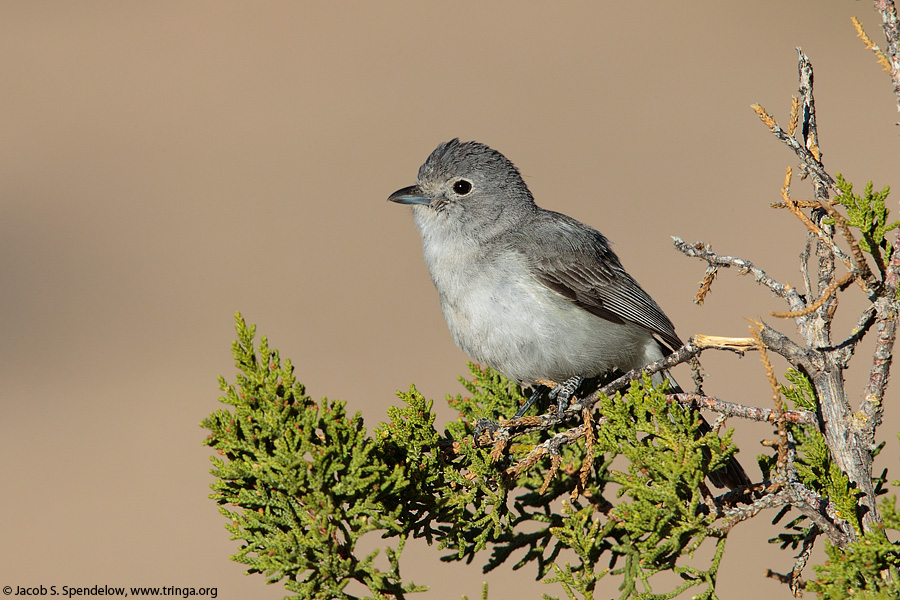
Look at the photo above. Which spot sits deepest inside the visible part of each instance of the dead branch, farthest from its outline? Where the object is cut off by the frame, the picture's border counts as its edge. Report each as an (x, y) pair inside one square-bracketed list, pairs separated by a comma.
[(702, 251), (751, 413)]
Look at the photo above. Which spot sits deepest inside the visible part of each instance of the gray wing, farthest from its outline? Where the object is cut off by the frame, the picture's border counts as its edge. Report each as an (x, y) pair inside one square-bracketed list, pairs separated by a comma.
[(576, 261)]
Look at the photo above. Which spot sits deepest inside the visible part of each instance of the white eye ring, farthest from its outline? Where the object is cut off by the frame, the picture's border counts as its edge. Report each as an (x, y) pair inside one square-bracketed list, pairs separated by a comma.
[(462, 187)]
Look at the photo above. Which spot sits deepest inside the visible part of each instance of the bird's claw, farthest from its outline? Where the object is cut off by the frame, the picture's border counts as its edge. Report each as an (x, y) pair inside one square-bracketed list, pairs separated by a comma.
[(564, 392), (484, 432)]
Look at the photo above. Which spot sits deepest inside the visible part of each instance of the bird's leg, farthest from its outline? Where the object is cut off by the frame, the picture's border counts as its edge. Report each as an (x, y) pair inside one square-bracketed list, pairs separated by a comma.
[(538, 391), (563, 393)]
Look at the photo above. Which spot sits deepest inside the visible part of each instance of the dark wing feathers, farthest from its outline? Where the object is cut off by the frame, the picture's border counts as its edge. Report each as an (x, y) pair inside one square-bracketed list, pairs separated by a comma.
[(575, 261)]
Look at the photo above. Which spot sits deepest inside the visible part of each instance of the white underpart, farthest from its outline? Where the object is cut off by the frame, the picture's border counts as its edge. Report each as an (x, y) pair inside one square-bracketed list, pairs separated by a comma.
[(503, 317)]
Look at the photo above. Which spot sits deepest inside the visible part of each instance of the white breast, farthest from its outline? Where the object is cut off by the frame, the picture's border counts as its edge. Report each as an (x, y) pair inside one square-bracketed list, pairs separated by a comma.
[(503, 317)]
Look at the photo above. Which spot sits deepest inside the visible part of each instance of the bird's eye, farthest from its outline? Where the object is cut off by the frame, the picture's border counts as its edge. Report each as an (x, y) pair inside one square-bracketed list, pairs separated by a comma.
[(462, 187)]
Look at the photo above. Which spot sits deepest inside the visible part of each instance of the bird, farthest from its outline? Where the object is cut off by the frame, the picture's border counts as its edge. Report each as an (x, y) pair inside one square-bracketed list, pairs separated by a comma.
[(532, 293)]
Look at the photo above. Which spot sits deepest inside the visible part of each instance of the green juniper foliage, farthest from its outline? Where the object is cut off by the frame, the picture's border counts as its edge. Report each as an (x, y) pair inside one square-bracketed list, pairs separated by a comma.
[(869, 215), (867, 568), (300, 482)]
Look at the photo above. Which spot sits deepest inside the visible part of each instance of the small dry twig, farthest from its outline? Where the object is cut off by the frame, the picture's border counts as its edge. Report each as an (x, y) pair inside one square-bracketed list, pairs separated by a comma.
[(804, 154), (840, 283), (708, 277), (555, 459), (588, 463), (795, 115), (879, 55), (702, 251), (782, 462)]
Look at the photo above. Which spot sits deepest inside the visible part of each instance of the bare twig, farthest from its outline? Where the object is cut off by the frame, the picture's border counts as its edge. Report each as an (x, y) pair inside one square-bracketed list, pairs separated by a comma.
[(736, 514), (806, 360), (794, 578), (779, 577), (808, 129), (551, 447), (697, 374), (694, 346), (802, 558), (844, 351), (752, 413), (847, 278), (782, 462), (818, 332), (821, 512), (683, 354), (886, 317), (702, 251), (718, 342), (791, 470), (802, 153), (804, 264), (872, 407), (708, 278)]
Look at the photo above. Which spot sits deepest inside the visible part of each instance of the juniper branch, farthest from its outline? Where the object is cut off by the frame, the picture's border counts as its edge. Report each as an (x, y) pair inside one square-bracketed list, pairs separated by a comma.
[(751, 413), (821, 512), (801, 560), (702, 251)]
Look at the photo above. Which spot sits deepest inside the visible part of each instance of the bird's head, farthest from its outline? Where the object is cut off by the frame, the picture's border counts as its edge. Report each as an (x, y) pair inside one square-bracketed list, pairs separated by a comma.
[(469, 187)]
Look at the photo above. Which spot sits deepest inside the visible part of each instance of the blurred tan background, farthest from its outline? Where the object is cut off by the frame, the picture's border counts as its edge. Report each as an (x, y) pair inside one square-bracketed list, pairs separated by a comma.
[(164, 164)]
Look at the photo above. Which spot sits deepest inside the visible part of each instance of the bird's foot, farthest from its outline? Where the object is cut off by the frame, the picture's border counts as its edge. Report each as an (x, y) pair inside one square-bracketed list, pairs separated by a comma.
[(564, 392), (484, 432), (534, 396)]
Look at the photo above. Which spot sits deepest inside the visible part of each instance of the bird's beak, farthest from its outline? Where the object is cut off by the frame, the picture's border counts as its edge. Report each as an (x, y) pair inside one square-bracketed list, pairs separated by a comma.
[(410, 195)]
